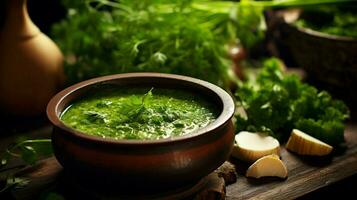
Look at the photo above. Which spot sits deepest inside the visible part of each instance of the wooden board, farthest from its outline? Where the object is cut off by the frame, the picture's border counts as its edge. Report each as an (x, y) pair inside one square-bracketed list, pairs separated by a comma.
[(48, 175), (306, 174)]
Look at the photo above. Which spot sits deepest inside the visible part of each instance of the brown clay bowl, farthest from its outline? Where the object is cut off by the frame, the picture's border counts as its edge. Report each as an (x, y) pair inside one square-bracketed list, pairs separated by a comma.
[(330, 61), (142, 165)]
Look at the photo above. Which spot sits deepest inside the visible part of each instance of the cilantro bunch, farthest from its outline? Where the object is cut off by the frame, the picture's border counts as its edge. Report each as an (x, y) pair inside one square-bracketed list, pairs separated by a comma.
[(106, 37), (276, 103), (188, 37)]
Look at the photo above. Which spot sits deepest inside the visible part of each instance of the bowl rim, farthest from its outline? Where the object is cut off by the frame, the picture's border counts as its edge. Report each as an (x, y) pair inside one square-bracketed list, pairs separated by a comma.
[(225, 115), (320, 34), (308, 31)]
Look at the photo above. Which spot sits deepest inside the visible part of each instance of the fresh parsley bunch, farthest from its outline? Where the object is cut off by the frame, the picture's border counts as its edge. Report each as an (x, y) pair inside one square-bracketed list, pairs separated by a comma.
[(106, 37), (276, 103)]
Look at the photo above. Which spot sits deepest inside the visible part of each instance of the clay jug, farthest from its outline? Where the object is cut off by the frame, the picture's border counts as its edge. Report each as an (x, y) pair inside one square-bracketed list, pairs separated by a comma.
[(30, 64)]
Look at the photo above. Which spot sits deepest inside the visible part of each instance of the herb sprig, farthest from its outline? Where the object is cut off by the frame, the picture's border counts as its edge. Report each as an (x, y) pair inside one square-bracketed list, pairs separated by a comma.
[(189, 37), (276, 103), (28, 150), (105, 37)]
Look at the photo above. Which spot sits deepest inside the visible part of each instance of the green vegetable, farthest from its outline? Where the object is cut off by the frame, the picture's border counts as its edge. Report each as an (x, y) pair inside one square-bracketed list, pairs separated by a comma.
[(105, 37), (130, 113), (276, 103), (29, 150), (188, 37), (12, 182)]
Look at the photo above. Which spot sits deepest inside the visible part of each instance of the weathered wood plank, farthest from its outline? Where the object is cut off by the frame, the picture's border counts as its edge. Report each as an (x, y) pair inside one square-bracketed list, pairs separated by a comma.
[(306, 174)]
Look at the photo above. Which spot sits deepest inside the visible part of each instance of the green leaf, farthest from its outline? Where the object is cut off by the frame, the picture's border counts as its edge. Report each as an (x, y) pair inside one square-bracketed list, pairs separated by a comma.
[(12, 182), (276, 103), (28, 154), (146, 98), (131, 36), (95, 117), (43, 149)]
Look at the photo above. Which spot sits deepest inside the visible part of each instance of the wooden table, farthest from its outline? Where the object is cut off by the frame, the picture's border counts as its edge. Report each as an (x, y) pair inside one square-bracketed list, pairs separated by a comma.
[(307, 176)]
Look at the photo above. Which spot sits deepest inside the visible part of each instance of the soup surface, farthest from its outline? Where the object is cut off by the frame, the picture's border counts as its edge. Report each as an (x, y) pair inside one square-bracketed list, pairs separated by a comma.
[(139, 113)]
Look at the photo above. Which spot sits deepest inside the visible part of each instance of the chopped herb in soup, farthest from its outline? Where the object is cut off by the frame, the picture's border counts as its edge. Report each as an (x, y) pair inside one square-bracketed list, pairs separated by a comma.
[(139, 113)]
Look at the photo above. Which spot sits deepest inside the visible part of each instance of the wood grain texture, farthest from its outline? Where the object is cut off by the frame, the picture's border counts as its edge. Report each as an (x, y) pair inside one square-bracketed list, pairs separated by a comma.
[(41, 176), (306, 174)]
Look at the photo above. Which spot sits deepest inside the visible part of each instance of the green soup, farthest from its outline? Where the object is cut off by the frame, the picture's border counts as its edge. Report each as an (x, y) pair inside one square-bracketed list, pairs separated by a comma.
[(139, 113)]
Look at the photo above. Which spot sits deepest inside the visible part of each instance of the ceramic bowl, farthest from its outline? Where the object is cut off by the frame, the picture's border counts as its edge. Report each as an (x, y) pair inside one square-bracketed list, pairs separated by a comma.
[(143, 165), (330, 61)]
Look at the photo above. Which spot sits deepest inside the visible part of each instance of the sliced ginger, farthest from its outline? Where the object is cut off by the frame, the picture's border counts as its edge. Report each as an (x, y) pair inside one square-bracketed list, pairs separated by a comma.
[(303, 144), (252, 146), (269, 165)]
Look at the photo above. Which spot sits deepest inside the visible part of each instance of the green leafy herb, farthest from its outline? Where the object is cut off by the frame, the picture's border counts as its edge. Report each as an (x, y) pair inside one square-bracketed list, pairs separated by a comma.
[(28, 150), (277, 103), (188, 37), (105, 37), (12, 182)]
